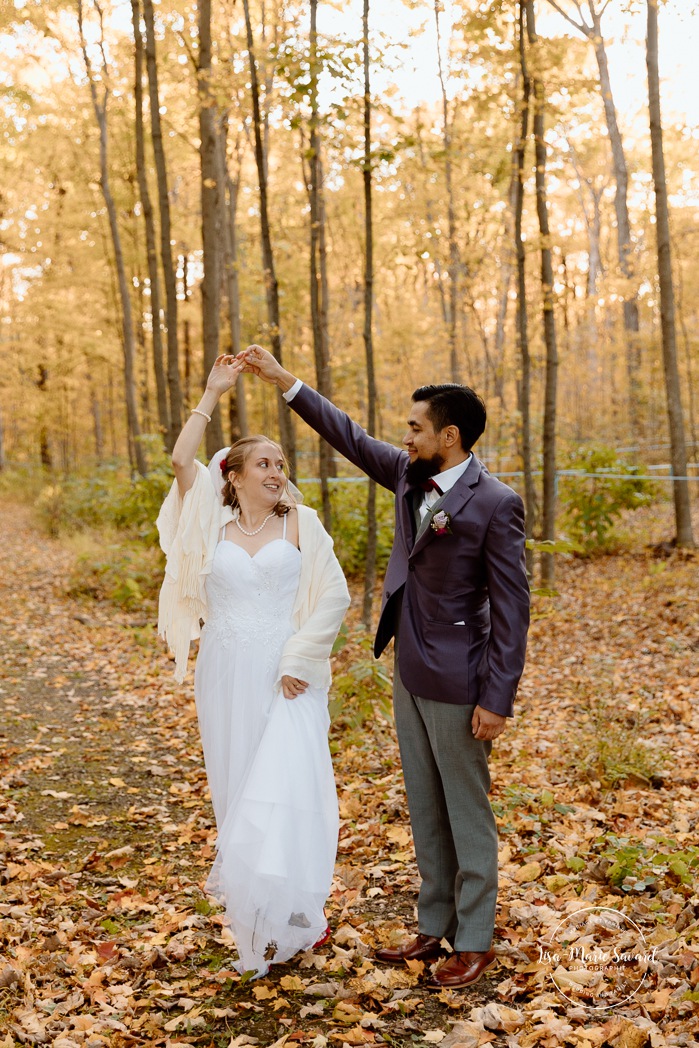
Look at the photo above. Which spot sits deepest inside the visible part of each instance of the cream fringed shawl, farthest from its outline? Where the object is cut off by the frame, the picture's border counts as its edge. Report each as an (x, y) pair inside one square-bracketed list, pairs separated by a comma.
[(189, 530)]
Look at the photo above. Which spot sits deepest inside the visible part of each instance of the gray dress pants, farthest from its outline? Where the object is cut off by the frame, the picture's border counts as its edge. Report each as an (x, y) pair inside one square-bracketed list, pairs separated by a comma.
[(447, 782)]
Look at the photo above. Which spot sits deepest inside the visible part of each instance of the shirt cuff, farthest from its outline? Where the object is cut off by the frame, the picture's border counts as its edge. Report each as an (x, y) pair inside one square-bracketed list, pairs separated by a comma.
[(291, 393)]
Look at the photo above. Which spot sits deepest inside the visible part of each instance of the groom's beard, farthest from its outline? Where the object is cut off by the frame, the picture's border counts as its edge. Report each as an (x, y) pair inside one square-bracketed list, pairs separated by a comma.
[(422, 469)]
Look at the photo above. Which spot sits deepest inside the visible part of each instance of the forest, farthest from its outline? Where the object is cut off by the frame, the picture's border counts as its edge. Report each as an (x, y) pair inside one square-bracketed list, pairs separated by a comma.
[(383, 193)]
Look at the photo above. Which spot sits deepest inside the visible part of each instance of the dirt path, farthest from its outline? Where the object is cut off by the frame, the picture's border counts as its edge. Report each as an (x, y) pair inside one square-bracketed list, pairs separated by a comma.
[(106, 833), (106, 837), (92, 728)]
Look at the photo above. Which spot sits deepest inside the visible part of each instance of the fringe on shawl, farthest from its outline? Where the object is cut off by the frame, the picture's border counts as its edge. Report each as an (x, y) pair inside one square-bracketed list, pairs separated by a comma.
[(188, 529)]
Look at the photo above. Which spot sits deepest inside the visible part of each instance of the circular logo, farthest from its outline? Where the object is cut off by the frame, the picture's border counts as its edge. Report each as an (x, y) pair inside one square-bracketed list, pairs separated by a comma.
[(597, 957)]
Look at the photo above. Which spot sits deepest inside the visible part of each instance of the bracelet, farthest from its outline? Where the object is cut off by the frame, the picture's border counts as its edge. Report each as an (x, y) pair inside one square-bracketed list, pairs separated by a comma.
[(196, 411)]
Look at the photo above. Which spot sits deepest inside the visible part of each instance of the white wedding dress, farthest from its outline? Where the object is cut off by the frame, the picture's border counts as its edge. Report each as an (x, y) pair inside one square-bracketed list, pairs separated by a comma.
[(267, 760)]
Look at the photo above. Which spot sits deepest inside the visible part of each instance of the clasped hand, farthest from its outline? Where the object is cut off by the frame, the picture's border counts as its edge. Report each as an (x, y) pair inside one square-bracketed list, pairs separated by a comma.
[(260, 362), (224, 374), (292, 686)]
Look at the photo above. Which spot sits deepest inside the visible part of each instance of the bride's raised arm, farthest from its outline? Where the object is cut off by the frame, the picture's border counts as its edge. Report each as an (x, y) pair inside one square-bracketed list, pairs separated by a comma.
[(223, 376)]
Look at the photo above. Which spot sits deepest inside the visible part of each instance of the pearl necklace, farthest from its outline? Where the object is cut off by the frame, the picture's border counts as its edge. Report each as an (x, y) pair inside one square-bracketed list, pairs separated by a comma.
[(257, 530)]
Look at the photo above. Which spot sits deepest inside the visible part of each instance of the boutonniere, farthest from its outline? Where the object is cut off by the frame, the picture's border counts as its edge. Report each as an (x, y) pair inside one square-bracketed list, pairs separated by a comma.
[(441, 523)]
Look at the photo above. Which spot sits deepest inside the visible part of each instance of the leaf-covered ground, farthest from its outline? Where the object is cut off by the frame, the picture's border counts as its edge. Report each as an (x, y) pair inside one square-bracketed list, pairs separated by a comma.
[(106, 833)]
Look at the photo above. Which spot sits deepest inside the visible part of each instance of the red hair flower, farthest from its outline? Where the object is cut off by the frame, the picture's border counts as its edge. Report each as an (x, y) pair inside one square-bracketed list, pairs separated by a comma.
[(224, 463)]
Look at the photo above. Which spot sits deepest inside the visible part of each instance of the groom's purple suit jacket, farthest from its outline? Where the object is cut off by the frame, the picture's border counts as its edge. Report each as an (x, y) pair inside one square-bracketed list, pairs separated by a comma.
[(476, 575)]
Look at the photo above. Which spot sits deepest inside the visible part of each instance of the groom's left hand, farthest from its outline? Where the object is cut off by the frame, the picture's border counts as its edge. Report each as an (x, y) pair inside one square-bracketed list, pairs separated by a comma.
[(487, 725)]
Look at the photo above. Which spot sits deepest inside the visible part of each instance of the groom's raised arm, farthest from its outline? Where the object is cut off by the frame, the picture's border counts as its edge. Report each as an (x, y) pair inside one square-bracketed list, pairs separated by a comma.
[(381, 461)]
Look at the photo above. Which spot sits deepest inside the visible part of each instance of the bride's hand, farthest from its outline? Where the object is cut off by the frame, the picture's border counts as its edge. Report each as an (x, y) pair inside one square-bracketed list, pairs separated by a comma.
[(224, 374), (263, 364), (292, 686)]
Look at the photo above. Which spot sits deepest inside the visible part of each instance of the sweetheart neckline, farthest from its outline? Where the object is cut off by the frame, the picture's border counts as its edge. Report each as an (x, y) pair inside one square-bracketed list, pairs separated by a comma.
[(252, 556)]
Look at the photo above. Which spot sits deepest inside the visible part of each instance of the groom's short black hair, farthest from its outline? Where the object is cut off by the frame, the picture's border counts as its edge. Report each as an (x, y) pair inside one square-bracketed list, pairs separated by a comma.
[(451, 404)]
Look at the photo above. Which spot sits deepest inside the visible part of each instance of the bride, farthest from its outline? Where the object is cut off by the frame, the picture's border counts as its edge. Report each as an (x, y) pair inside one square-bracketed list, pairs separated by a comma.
[(260, 570)]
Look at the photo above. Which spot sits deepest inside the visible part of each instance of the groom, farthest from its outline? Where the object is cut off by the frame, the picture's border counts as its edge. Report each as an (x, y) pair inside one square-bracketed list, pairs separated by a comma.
[(456, 599)]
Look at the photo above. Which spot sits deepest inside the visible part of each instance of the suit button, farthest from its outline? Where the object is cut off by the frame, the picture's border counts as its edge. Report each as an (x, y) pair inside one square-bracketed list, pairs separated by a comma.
[(411, 567)]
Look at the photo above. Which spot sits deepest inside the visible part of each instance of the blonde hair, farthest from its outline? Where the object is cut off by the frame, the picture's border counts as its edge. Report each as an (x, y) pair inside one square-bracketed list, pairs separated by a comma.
[(236, 461)]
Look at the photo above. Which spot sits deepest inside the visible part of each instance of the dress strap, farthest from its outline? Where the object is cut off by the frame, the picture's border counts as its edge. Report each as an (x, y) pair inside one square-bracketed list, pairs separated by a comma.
[(284, 526)]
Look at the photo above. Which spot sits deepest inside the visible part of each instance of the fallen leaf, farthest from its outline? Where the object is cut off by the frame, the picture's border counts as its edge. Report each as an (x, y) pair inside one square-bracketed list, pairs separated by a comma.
[(356, 1035), (264, 993), (292, 982), (499, 1017), (529, 872), (346, 1012)]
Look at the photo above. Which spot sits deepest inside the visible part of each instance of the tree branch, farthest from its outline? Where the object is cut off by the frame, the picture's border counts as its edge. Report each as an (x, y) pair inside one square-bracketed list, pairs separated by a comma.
[(581, 26)]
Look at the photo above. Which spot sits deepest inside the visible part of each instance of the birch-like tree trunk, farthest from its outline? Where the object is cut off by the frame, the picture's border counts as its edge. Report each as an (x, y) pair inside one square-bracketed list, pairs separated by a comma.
[(592, 30), (318, 269), (169, 275), (211, 188), (149, 225), (453, 267), (680, 487), (228, 198), (286, 427), (127, 333), (524, 383), (548, 523), (370, 563)]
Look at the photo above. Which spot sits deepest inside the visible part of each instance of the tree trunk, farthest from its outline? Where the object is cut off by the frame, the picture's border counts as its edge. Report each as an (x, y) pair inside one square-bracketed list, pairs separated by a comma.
[(45, 456), (551, 380), (237, 408), (142, 358), (683, 514), (286, 428), (149, 223), (524, 384), (370, 563), (623, 228), (503, 296), (97, 424), (687, 347), (593, 32), (211, 188), (170, 281), (318, 271), (128, 345), (454, 262)]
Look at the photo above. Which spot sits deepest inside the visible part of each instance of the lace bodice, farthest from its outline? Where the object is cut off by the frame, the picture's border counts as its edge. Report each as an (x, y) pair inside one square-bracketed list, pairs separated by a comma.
[(250, 599)]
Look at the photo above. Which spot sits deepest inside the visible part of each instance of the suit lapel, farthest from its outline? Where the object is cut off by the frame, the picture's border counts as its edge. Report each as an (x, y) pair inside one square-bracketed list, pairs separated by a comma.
[(452, 503), (407, 510), (425, 522)]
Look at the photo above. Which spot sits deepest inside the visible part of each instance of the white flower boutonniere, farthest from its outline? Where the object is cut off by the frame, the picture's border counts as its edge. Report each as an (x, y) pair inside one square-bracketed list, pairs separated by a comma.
[(441, 523)]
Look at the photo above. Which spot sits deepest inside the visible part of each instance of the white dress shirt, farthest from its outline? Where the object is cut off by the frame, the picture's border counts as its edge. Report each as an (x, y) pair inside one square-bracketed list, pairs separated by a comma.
[(446, 480)]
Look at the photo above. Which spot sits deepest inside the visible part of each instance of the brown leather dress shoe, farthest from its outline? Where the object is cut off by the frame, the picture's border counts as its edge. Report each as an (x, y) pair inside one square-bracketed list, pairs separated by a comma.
[(422, 948), (461, 969)]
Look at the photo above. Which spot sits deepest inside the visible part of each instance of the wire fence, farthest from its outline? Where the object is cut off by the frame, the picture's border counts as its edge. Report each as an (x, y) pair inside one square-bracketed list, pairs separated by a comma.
[(577, 473)]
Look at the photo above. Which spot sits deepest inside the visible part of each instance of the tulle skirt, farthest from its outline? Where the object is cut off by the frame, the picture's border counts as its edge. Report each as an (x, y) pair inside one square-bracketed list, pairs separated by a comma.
[(273, 791)]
